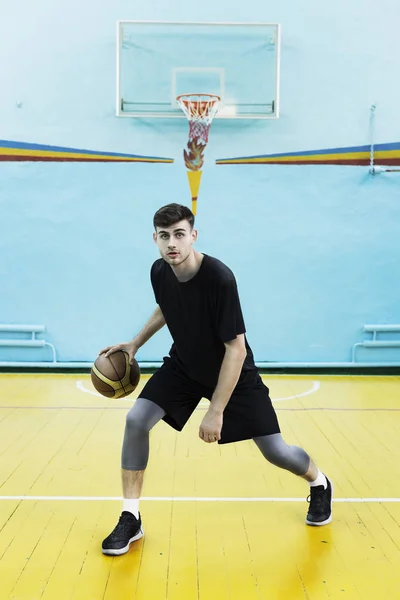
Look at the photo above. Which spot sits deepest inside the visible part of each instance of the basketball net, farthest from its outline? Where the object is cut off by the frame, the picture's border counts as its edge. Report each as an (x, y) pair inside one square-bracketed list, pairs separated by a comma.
[(200, 109)]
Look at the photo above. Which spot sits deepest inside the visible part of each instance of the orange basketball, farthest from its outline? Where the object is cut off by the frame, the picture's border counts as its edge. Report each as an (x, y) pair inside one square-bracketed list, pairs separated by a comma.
[(114, 377)]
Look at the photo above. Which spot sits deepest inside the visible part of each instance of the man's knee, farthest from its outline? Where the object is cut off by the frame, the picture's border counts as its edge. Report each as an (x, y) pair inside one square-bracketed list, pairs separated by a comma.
[(136, 425), (142, 417), (277, 452)]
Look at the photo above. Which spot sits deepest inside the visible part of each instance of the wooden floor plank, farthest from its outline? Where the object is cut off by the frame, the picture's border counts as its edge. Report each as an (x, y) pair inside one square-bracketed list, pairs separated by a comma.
[(213, 577), (78, 521), (183, 559), (19, 553)]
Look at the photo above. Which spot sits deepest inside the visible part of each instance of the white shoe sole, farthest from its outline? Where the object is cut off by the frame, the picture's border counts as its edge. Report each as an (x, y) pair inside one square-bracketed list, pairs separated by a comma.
[(118, 551), (312, 523)]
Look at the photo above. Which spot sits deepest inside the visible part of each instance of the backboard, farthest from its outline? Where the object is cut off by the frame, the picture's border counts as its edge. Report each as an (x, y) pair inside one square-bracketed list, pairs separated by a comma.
[(158, 60)]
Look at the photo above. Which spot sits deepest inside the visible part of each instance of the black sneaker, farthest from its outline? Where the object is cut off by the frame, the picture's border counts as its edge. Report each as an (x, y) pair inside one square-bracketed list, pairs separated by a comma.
[(320, 509), (129, 529)]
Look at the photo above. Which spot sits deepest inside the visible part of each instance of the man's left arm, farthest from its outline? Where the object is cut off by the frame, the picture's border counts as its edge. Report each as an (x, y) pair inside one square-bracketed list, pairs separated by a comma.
[(235, 353)]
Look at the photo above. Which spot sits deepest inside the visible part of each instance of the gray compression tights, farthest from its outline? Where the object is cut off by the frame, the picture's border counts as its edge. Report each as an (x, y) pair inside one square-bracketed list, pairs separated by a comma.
[(145, 414)]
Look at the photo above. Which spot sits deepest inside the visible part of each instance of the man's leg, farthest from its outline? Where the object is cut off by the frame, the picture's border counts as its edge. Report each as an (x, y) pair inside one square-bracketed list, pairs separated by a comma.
[(135, 448), (132, 483), (297, 461), (135, 454)]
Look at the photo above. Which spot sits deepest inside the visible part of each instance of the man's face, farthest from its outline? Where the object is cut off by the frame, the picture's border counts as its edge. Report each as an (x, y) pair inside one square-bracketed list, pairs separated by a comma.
[(175, 242)]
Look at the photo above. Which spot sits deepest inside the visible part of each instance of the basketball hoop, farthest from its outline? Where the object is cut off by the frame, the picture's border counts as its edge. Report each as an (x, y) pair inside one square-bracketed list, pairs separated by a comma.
[(200, 109)]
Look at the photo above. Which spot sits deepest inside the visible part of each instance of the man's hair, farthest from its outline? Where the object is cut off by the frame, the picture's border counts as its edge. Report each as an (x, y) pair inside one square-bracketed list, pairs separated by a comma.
[(168, 215)]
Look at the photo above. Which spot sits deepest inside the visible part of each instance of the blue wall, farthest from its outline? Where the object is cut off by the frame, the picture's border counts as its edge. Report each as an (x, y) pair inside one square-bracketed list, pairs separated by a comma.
[(315, 249)]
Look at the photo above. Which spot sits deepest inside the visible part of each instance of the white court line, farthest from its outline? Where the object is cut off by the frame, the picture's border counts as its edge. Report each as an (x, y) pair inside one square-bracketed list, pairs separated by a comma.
[(315, 387), (187, 499), (81, 387)]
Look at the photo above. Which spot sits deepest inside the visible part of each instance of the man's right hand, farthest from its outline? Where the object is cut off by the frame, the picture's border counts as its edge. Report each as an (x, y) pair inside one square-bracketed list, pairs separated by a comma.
[(129, 347)]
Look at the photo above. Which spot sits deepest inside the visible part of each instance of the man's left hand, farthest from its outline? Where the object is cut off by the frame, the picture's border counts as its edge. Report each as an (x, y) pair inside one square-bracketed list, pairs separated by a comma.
[(210, 428)]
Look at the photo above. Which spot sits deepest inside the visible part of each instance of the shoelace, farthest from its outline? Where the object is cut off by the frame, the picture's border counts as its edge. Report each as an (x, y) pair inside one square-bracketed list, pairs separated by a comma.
[(316, 499), (124, 522)]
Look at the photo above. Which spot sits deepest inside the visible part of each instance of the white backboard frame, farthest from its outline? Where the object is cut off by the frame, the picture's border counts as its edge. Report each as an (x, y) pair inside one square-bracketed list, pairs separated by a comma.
[(224, 112)]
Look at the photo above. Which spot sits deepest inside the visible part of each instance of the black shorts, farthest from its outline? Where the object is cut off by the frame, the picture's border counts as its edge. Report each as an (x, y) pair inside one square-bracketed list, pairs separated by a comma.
[(248, 414)]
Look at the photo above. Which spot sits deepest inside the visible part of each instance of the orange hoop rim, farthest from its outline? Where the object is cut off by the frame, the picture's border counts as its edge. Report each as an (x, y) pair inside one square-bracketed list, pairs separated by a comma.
[(215, 97), (204, 102)]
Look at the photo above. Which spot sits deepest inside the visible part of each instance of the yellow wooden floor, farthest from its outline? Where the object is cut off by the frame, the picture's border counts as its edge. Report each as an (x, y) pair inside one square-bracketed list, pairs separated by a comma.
[(220, 523)]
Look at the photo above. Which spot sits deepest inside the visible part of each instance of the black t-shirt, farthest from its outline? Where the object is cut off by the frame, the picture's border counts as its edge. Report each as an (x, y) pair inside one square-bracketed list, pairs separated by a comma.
[(201, 314)]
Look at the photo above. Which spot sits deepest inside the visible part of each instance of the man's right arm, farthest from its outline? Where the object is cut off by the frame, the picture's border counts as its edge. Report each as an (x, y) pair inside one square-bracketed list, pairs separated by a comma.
[(154, 324)]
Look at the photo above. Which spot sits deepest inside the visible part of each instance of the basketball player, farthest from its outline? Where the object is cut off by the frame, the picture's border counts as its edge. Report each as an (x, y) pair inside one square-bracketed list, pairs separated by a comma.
[(197, 298)]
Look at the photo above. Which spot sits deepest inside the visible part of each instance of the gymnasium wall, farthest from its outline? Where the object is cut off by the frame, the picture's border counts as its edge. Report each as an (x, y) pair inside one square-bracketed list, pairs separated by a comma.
[(315, 248)]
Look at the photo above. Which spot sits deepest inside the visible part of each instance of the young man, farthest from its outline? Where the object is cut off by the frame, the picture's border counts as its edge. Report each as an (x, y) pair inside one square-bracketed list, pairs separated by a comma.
[(197, 298)]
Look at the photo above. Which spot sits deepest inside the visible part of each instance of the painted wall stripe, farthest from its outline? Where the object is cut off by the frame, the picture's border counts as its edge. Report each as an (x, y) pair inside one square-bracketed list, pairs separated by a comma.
[(10, 151), (356, 155)]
